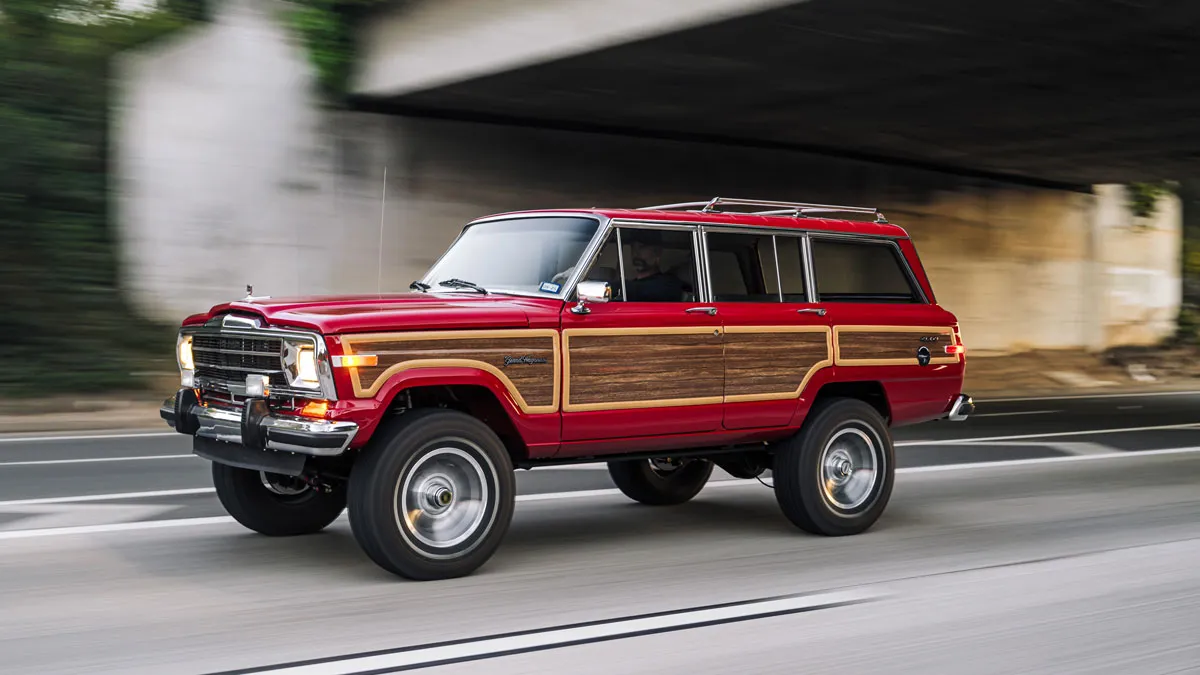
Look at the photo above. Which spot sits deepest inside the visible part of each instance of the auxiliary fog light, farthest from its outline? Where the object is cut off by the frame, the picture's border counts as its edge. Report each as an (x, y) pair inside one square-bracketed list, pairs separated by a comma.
[(258, 385)]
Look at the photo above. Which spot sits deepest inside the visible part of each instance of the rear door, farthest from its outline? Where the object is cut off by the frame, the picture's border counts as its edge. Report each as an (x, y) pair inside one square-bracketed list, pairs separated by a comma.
[(648, 362), (777, 342), (884, 328)]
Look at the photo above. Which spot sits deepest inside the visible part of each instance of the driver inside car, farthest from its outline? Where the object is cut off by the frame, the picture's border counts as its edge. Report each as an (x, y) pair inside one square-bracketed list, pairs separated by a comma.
[(645, 281)]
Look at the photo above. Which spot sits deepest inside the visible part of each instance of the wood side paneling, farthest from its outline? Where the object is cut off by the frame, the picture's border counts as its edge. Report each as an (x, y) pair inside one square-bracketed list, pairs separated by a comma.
[(533, 379), (891, 345), (640, 369), (763, 365)]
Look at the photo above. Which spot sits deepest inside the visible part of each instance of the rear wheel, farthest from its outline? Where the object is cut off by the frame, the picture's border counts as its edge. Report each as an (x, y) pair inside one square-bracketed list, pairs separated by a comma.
[(835, 477), (660, 482), (432, 495), (276, 505)]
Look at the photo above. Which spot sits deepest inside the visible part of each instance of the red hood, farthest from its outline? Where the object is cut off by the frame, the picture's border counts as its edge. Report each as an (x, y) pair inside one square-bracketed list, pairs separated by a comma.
[(388, 312)]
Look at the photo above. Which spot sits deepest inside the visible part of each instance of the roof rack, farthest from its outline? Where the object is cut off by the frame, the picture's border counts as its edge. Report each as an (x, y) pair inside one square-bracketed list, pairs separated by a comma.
[(775, 208)]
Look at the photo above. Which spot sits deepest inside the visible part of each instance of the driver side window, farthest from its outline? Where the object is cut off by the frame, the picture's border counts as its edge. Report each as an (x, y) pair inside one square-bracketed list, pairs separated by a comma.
[(653, 265)]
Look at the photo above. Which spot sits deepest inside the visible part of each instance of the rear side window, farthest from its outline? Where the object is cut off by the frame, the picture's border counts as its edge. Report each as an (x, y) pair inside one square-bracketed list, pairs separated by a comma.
[(860, 271)]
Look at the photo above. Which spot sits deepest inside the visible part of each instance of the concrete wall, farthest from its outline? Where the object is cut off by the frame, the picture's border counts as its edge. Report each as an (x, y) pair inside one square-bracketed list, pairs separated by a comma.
[(230, 174)]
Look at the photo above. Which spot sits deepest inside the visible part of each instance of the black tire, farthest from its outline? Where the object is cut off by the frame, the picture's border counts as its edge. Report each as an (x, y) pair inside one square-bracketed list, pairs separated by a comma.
[(641, 482), (850, 429), (414, 447), (270, 510)]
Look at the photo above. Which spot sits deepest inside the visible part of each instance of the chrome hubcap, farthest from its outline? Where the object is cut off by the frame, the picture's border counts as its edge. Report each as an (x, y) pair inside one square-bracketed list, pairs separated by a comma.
[(849, 468), (443, 500)]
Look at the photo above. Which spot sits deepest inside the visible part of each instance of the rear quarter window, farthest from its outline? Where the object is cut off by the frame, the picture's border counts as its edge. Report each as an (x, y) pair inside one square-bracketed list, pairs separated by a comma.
[(861, 271)]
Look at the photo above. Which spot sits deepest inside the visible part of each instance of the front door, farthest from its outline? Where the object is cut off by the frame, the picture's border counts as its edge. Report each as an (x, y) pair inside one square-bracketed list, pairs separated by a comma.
[(649, 361), (778, 345)]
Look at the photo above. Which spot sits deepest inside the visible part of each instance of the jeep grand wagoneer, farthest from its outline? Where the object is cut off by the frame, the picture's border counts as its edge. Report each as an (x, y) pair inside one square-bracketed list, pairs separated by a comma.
[(664, 341)]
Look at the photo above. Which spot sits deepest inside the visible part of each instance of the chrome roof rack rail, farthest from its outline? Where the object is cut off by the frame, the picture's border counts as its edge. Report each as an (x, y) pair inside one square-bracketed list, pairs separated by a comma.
[(775, 208)]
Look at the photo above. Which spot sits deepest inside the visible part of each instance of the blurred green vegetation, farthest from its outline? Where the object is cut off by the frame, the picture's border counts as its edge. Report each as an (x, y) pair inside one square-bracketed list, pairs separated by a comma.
[(327, 28), (66, 328)]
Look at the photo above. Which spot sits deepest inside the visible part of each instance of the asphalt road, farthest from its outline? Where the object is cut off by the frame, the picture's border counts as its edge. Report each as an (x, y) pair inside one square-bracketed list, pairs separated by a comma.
[(1042, 536)]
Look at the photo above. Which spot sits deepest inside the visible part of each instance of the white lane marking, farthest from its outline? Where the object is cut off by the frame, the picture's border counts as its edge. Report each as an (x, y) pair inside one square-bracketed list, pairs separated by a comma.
[(1055, 434), (93, 460), (547, 496), (86, 437), (1073, 397), (109, 497), (115, 527), (59, 516), (548, 638), (1081, 448), (1005, 463), (1069, 447), (1022, 412)]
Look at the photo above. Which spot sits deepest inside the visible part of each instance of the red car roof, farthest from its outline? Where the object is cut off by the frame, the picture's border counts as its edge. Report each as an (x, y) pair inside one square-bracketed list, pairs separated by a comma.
[(734, 218)]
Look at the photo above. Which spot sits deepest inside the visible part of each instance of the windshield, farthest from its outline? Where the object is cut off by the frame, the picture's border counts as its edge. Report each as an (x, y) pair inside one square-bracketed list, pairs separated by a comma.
[(528, 255)]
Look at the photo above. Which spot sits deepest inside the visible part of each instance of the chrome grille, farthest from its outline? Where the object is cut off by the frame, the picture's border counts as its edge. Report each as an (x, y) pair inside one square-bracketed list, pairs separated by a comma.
[(228, 359)]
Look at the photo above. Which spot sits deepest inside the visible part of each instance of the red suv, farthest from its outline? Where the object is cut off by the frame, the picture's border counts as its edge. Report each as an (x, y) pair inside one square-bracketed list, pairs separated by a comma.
[(741, 334)]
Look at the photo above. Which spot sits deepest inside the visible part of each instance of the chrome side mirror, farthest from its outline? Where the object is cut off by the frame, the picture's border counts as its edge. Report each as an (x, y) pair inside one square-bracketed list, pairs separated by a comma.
[(591, 291)]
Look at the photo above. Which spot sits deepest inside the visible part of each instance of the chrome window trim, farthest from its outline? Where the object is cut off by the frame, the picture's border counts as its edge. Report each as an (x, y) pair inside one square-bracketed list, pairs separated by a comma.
[(620, 262), (778, 274), (754, 232), (890, 242), (810, 274), (602, 223), (327, 389), (615, 224)]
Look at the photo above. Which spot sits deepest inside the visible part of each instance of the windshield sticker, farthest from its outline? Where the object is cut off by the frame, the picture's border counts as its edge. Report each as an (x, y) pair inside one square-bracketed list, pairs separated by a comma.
[(550, 287)]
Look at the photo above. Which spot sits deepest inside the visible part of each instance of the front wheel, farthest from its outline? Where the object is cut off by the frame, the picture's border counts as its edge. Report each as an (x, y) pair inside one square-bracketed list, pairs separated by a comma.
[(432, 496), (660, 482), (276, 505), (835, 477)]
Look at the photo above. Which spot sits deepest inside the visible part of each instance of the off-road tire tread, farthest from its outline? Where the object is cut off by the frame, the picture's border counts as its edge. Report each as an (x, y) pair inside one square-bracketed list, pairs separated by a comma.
[(636, 480), (796, 473), (372, 481), (242, 494)]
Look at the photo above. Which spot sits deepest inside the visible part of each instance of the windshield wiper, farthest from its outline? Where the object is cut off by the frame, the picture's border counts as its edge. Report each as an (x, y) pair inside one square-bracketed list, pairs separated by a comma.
[(419, 286), (460, 283)]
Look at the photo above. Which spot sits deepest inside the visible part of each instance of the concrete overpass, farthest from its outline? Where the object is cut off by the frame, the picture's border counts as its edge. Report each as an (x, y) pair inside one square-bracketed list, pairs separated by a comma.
[(1075, 92), (980, 128)]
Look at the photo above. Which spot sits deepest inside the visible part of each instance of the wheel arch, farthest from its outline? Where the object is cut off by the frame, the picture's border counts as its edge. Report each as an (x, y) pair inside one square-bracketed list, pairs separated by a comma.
[(475, 392), (871, 392)]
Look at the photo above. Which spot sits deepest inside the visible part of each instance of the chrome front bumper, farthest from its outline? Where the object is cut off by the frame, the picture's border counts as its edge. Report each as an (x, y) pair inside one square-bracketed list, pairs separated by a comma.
[(962, 408), (256, 428)]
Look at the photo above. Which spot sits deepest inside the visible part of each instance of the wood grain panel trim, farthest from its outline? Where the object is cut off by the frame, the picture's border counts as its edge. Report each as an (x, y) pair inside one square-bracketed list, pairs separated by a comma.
[(528, 388), (689, 371), (889, 345), (765, 369)]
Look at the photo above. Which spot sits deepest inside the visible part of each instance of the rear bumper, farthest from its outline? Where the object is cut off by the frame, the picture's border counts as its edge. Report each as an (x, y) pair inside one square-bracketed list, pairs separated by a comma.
[(254, 427), (962, 407)]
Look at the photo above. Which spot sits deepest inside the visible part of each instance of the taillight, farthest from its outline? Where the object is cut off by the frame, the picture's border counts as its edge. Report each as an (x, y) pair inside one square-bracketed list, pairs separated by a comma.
[(958, 347)]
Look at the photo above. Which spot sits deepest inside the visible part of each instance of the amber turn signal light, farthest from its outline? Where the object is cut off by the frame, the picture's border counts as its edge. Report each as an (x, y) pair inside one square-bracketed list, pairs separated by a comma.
[(315, 409), (355, 361)]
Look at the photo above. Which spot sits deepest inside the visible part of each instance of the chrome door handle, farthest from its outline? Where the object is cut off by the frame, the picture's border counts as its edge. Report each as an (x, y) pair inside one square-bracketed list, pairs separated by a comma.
[(707, 310), (819, 311)]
